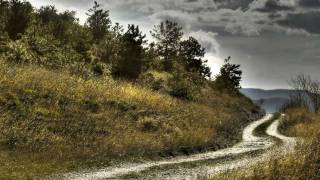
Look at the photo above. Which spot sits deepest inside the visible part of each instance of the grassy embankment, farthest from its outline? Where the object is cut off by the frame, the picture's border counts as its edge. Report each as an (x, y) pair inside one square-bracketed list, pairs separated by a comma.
[(304, 163), (52, 122)]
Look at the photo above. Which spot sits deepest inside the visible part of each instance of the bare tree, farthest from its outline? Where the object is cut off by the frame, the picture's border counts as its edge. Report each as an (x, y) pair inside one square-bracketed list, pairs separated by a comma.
[(307, 92)]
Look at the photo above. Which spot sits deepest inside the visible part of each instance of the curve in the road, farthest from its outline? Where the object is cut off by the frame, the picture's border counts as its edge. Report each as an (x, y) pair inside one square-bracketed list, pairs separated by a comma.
[(250, 143)]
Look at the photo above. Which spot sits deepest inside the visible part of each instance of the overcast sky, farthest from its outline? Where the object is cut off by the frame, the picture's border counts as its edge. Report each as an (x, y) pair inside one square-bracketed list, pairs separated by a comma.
[(273, 40)]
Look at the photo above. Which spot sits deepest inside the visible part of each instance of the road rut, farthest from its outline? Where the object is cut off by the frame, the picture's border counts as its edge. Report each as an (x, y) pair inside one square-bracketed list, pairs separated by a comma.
[(249, 144)]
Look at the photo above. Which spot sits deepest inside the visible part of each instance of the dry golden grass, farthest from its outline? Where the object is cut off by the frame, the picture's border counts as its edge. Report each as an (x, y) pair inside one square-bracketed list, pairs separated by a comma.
[(304, 163), (51, 112)]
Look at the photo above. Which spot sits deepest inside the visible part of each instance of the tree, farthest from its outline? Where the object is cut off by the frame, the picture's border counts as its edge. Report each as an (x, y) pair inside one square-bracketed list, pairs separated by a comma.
[(307, 92), (80, 40), (57, 24), (47, 14), (151, 59), (108, 49), (99, 22), (19, 16), (4, 9), (185, 85), (229, 78), (131, 58), (168, 36), (192, 53)]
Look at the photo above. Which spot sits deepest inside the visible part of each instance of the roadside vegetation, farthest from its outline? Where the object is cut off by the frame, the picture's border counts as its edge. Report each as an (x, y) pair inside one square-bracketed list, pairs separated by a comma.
[(302, 120), (304, 163), (78, 96)]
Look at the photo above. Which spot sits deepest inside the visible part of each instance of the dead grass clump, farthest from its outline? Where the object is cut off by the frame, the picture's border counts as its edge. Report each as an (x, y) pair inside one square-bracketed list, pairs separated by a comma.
[(149, 125)]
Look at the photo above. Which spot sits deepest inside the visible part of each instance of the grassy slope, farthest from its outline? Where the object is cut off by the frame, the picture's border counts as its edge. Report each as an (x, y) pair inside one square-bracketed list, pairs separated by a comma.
[(303, 164), (52, 122)]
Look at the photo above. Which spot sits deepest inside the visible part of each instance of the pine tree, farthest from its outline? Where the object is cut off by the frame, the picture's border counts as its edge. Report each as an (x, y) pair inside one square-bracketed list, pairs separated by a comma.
[(131, 58), (192, 53), (98, 22), (229, 78), (168, 36), (19, 16)]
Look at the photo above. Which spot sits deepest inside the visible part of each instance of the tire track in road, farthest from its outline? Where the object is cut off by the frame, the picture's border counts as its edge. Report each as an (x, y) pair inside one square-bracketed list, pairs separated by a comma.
[(250, 144)]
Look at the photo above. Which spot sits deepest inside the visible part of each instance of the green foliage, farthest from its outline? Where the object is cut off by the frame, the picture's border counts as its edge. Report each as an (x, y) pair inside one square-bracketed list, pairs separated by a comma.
[(80, 40), (98, 22), (168, 36), (192, 53), (18, 52), (101, 69), (156, 80), (108, 50), (130, 63), (56, 40), (4, 9), (4, 40), (17, 17), (57, 24), (229, 78), (184, 85), (41, 51)]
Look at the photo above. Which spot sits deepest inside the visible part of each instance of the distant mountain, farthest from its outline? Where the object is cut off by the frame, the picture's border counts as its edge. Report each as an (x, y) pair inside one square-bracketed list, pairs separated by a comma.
[(270, 100), (257, 94), (272, 104)]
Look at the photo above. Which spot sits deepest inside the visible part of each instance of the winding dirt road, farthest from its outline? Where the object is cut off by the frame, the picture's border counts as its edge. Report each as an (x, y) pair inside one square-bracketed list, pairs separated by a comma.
[(250, 151)]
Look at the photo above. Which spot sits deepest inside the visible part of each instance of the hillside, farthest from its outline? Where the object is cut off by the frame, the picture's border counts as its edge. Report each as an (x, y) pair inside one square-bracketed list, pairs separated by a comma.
[(93, 122), (77, 96)]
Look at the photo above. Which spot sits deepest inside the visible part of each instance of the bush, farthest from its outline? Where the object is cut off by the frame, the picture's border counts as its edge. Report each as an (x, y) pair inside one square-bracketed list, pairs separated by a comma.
[(40, 51), (155, 80), (184, 86), (149, 125), (18, 52), (101, 69)]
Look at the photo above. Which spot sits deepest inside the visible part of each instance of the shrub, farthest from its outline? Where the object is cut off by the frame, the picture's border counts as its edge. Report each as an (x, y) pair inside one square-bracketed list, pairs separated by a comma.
[(155, 80), (149, 124), (18, 52), (184, 86), (101, 69)]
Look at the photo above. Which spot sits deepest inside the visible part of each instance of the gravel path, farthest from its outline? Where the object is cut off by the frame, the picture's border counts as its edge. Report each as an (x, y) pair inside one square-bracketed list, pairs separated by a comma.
[(249, 144)]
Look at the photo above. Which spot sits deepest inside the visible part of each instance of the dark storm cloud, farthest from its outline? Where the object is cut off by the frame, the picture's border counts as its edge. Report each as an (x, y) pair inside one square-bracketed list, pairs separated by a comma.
[(234, 4), (308, 21), (274, 6), (269, 61), (272, 39), (225, 17), (309, 3)]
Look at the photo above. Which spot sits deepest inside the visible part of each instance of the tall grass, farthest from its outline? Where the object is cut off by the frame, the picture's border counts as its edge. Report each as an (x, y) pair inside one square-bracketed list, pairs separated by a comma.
[(52, 112), (304, 163)]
